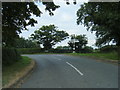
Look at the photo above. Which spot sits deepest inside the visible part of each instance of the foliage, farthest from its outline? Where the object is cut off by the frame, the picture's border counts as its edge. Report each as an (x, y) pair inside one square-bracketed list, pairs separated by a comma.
[(63, 47), (16, 16), (103, 18), (108, 48), (50, 6), (10, 56), (25, 43), (30, 50), (48, 36), (10, 73), (60, 50), (15, 19), (88, 49), (78, 42), (59, 47), (41, 50)]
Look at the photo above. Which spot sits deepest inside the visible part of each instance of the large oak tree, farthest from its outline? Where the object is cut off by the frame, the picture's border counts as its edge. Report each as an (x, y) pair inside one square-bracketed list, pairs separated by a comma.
[(48, 36)]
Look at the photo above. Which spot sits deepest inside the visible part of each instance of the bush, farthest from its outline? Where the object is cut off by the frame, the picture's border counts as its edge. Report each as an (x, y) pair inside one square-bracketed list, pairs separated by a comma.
[(88, 49), (30, 50), (9, 56), (60, 51), (108, 48)]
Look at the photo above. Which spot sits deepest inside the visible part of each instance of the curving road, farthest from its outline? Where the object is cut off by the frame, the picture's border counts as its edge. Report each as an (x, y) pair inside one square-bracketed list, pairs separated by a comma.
[(61, 71)]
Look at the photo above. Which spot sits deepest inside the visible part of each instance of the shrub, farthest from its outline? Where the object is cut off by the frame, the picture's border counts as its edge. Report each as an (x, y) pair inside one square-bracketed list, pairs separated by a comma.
[(108, 48), (88, 49), (30, 50), (60, 51), (9, 56)]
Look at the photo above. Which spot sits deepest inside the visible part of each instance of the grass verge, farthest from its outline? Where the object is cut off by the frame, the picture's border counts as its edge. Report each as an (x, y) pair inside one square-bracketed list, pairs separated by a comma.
[(106, 56), (9, 73)]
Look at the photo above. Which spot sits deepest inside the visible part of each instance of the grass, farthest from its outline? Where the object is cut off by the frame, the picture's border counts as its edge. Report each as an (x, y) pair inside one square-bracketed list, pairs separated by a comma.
[(9, 72), (109, 56)]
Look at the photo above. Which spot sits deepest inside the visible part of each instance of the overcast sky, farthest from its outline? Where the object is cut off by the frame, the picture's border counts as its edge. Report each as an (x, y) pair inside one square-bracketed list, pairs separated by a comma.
[(65, 19)]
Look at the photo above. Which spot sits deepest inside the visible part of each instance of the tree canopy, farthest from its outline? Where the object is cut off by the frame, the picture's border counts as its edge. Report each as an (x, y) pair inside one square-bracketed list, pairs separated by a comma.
[(103, 18), (17, 15), (25, 43), (78, 42), (63, 47), (48, 36)]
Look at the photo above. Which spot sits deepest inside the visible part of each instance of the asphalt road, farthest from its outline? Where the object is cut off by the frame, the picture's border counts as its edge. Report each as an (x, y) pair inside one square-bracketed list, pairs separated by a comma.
[(61, 71)]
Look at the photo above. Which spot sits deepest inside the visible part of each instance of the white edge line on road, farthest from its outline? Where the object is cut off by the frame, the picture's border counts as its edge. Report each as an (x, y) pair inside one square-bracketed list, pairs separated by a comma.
[(74, 68)]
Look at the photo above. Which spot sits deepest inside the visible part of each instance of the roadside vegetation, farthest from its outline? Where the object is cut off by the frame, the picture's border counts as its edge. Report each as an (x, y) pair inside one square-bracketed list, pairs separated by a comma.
[(14, 70), (106, 56)]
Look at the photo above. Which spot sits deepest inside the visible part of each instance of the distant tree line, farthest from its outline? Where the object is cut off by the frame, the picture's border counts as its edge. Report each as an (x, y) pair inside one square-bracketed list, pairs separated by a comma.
[(25, 43)]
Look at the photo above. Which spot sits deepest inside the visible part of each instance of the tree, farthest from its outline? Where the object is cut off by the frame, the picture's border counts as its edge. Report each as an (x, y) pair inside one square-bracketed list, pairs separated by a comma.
[(50, 6), (25, 43), (59, 47), (78, 42), (49, 36), (72, 42), (88, 49), (63, 47), (16, 16), (103, 18)]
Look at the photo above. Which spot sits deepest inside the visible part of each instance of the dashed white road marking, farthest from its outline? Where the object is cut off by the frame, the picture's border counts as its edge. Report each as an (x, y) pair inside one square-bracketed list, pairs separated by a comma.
[(75, 68)]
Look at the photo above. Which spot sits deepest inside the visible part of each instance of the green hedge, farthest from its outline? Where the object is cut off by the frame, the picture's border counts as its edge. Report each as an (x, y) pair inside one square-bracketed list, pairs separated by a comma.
[(87, 49), (30, 50), (108, 48), (9, 56), (60, 51), (41, 50)]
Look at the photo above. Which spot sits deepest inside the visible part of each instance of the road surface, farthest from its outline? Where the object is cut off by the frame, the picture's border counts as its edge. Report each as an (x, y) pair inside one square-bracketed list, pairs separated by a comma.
[(62, 71)]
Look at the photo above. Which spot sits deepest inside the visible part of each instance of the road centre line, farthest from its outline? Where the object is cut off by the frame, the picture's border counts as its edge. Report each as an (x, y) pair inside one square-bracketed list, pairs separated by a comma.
[(75, 68)]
